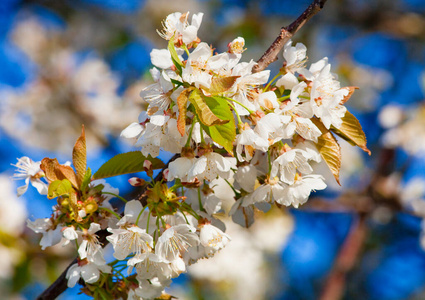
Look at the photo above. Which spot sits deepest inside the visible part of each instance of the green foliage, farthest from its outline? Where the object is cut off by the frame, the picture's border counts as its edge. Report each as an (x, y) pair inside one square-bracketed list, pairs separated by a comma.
[(203, 110), (86, 180), (125, 163), (222, 134), (59, 188), (174, 56)]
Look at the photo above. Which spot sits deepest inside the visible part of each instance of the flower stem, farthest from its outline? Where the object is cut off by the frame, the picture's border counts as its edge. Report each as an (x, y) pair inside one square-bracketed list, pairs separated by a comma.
[(119, 197), (237, 102), (110, 211)]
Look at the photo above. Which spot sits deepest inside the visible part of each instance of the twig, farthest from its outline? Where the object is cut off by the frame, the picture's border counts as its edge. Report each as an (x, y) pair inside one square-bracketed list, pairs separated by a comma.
[(57, 287), (61, 283), (335, 284), (286, 34)]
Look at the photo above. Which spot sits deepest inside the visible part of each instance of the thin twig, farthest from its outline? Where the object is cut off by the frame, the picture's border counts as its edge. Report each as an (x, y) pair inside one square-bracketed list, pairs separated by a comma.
[(286, 33), (345, 261)]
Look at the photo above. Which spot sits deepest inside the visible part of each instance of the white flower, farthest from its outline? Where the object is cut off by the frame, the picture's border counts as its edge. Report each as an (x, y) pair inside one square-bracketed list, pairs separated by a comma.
[(176, 25), (150, 265), (299, 192), (245, 86), (237, 45), (135, 130), (69, 234), (175, 241), (151, 289), (131, 212), (45, 226), (268, 100), (90, 272), (30, 171), (295, 57), (211, 165), (201, 63), (213, 239), (248, 140), (90, 247), (311, 152), (131, 240), (157, 95), (156, 136), (246, 176), (274, 127), (180, 167), (289, 163), (326, 96), (267, 192)]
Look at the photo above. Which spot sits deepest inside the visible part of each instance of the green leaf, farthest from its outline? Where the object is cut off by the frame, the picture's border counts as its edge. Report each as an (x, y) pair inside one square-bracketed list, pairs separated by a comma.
[(86, 180), (203, 110), (352, 131), (221, 85), (59, 188), (329, 149), (125, 163), (79, 156), (223, 134), (174, 56)]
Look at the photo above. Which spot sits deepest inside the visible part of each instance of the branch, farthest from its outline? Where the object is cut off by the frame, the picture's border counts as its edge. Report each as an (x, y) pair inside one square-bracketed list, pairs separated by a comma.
[(57, 287), (61, 283), (335, 284), (286, 34)]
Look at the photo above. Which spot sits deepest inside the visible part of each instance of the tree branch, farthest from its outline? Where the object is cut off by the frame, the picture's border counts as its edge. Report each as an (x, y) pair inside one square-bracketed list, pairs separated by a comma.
[(286, 34), (61, 283)]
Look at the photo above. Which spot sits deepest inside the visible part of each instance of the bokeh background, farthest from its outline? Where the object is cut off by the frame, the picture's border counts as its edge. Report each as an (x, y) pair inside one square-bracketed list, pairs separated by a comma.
[(67, 63)]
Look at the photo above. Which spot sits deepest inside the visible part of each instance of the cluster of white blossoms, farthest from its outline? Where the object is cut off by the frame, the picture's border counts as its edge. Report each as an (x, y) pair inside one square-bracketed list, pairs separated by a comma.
[(224, 121)]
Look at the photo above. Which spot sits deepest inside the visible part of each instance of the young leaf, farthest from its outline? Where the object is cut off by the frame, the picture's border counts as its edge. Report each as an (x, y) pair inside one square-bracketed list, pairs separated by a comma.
[(174, 56), (204, 112), (182, 105), (352, 131), (224, 134), (125, 163), (222, 85), (79, 156), (86, 180), (54, 171), (59, 188), (329, 149)]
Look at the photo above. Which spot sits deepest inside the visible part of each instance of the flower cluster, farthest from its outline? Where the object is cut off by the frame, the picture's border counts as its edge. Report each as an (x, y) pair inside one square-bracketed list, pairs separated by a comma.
[(224, 121)]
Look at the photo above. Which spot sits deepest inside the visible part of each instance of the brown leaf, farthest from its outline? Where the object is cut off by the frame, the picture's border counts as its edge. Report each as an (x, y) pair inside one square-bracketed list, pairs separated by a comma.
[(351, 90), (352, 131), (54, 171), (329, 149), (182, 105), (222, 85), (79, 157), (49, 166)]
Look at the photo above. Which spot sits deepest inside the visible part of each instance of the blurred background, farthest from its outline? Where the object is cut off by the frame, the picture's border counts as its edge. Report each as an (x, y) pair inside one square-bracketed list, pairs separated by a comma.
[(67, 63)]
